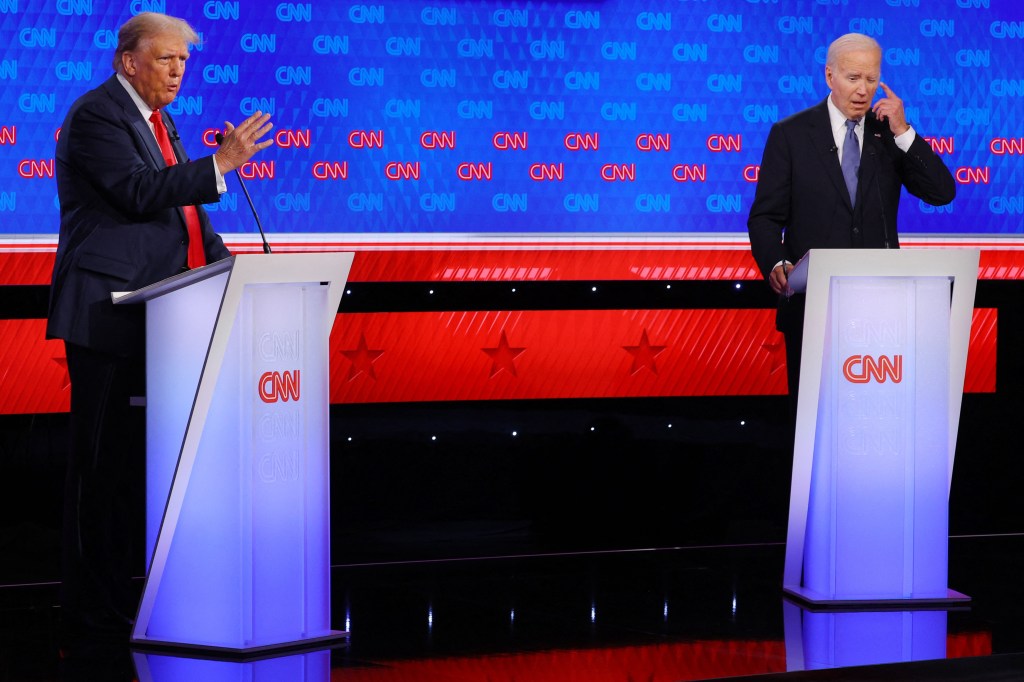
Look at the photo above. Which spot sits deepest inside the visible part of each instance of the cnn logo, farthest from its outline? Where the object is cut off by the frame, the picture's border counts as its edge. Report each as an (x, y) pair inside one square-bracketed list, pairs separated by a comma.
[(275, 386), (860, 369)]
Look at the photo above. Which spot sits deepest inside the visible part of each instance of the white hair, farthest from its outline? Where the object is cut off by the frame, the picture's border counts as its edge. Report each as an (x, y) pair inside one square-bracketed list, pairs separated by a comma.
[(851, 42)]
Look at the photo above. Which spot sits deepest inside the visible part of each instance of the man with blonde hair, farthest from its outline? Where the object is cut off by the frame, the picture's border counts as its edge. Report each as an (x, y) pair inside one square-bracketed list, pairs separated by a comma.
[(130, 215)]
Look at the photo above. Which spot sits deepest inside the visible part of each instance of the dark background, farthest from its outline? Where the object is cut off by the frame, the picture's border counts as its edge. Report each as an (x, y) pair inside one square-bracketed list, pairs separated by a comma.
[(419, 481)]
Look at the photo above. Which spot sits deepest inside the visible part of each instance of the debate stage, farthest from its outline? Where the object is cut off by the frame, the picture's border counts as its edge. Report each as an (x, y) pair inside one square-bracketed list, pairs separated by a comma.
[(660, 615)]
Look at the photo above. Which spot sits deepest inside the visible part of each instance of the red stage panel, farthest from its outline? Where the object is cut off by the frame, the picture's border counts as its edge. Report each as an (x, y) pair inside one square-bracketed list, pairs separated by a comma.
[(33, 371), (399, 357), (410, 357), (981, 353), (25, 267), (387, 357)]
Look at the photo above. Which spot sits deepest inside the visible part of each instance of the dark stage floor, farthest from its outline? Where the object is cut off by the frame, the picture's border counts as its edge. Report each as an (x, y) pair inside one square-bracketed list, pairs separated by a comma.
[(658, 615)]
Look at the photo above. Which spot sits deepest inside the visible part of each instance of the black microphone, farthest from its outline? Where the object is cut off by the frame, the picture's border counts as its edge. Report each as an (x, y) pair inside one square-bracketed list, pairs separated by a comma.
[(881, 203), (885, 223), (266, 245), (833, 149)]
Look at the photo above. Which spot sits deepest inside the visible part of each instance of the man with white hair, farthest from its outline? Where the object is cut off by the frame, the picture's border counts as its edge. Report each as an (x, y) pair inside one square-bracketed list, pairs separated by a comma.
[(831, 177), (131, 215)]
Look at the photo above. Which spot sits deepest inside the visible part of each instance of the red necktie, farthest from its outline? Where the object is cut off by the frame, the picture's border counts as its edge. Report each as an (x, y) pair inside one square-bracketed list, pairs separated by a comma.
[(196, 256)]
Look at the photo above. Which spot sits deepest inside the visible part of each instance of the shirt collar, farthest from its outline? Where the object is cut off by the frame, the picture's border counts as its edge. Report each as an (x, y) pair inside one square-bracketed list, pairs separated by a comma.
[(838, 118), (143, 107)]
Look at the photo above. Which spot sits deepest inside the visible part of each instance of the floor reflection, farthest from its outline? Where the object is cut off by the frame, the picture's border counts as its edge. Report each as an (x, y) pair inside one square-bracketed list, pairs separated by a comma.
[(818, 640), (312, 666), (662, 616)]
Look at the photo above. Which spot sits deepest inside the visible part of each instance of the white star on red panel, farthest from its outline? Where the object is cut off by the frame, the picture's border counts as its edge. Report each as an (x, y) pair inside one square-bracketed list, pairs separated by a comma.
[(644, 354), (503, 356), (362, 359)]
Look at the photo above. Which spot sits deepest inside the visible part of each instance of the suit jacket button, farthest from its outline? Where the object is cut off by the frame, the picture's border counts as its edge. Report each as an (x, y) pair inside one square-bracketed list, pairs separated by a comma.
[(856, 230)]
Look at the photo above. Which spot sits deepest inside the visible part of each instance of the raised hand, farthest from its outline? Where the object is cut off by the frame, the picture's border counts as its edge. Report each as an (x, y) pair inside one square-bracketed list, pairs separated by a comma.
[(890, 109), (241, 144)]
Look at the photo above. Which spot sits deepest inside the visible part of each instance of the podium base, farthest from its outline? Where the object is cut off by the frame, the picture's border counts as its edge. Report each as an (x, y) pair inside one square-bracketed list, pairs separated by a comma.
[(816, 600), (241, 654)]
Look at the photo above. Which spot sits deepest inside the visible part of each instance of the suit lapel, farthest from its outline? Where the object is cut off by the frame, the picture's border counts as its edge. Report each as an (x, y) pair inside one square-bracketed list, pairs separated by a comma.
[(134, 118), (870, 159), (179, 153), (141, 126), (824, 144)]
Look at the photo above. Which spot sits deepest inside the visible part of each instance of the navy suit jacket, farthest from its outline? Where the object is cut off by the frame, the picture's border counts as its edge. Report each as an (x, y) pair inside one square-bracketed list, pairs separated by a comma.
[(121, 227), (802, 201)]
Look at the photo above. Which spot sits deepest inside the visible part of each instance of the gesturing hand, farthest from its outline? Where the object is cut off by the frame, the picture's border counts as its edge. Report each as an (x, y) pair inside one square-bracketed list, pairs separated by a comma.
[(241, 144), (890, 109)]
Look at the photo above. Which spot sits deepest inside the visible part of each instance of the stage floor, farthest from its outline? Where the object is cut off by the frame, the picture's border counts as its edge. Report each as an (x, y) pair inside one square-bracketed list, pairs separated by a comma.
[(657, 615)]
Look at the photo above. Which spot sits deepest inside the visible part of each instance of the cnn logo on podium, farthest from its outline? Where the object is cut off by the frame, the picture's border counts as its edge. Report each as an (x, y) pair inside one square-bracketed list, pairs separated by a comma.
[(279, 386), (861, 369)]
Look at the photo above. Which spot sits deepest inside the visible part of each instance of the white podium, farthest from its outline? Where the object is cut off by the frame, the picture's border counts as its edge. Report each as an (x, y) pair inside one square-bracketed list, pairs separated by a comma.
[(237, 397), (881, 382)]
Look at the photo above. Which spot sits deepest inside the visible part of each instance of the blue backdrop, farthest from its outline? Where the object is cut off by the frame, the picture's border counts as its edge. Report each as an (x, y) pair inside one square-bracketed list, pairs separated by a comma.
[(497, 117)]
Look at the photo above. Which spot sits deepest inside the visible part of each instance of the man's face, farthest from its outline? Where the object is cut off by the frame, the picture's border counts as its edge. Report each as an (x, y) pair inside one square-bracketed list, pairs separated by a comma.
[(156, 68), (854, 80)]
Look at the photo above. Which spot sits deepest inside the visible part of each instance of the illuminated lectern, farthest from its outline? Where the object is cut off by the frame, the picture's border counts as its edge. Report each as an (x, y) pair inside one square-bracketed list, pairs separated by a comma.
[(881, 382), (237, 521)]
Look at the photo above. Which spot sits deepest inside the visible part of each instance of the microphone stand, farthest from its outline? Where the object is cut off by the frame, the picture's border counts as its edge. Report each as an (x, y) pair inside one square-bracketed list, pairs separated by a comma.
[(266, 245)]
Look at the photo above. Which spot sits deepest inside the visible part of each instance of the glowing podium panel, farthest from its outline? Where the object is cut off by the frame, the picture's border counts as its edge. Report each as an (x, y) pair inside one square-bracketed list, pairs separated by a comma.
[(237, 398), (881, 383)]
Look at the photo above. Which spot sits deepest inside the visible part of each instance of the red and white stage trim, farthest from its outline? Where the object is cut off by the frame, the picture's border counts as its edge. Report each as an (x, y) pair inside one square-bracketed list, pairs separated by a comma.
[(523, 354)]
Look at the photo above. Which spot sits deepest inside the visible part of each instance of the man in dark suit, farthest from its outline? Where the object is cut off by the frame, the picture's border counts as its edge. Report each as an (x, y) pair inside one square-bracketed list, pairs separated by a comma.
[(831, 177), (130, 216)]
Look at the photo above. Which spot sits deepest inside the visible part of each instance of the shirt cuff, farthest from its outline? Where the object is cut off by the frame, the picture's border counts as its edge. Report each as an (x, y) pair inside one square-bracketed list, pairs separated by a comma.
[(222, 185), (906, 139)]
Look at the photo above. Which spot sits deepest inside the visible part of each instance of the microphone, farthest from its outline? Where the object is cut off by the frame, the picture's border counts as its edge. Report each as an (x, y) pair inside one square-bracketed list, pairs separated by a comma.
[(833, 149), (885, 224), (881, 203), (266, 246)]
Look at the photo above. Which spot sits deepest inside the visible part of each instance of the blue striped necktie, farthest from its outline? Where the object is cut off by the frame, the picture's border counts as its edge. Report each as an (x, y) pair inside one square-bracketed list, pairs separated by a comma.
[(851, 160)]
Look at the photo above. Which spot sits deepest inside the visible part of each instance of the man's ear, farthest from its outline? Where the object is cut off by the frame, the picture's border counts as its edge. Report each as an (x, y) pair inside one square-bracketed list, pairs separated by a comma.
[(128, 63)]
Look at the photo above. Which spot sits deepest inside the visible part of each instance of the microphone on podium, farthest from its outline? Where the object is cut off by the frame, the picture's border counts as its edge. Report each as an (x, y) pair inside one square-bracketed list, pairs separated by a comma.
[(266, 246)]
